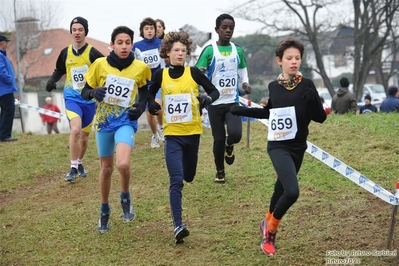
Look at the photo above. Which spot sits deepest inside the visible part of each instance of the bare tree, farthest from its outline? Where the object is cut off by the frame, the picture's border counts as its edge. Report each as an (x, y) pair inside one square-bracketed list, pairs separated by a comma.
[(45, 11), (385, 65), (372, 20), (31, 18), (372, 27), (302, 18)]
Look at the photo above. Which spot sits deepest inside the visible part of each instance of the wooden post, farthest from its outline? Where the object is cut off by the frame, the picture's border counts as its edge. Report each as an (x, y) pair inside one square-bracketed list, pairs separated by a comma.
[(393, 221), (248, 125)]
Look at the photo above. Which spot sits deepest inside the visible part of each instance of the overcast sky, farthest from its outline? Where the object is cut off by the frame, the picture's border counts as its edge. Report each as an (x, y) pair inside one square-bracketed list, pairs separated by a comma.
[(105, 15)]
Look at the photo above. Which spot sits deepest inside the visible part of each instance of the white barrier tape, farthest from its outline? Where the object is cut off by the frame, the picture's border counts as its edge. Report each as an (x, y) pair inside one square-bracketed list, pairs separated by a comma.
[(40, 110), (247, 103), (352, 174), (342, 168)]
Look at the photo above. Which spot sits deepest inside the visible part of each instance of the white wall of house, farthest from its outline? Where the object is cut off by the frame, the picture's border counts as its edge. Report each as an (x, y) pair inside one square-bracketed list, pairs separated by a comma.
[(330, 66)]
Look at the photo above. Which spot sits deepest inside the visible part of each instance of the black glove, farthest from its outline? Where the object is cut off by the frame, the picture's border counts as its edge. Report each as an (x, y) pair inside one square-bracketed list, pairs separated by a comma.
[(50, 85), (204, 101), (98, 93), (154, 107), (310, 96), (135, 113)]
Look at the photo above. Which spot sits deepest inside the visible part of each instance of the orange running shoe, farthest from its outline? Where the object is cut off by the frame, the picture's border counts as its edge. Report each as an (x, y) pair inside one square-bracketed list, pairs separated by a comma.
[(267, 245)]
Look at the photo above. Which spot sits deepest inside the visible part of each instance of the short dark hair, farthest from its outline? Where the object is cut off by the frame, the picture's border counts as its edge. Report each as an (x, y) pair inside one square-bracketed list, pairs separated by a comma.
[(392, 90), (344, 82), (147, 21), (288, 43), (222, 17), (122, 29)]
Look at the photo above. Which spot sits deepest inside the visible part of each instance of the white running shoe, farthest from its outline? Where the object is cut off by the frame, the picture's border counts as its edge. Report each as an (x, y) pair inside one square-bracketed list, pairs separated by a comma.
[(155, 141)]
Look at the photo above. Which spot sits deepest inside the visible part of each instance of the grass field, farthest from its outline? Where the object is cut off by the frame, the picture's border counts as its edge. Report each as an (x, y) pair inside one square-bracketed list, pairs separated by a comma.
[(46, 221)]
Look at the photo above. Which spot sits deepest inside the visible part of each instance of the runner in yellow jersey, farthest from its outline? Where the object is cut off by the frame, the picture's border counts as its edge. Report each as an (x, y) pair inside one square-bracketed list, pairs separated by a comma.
[(73, 62), (114, 82), (182, 118)]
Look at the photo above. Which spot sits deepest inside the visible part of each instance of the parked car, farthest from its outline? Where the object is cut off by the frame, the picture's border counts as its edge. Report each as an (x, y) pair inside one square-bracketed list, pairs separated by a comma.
[(376, 91)]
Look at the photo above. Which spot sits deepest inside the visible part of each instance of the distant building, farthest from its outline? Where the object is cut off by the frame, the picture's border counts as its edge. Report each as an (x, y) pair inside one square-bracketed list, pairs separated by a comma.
[(38, 62), (337, 51)]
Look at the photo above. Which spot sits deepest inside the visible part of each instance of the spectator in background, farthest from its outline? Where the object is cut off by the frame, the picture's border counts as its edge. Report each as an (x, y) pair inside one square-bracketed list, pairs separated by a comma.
[(367, 108), (344, 101), (50, 120), (7, 89), (391, 103)]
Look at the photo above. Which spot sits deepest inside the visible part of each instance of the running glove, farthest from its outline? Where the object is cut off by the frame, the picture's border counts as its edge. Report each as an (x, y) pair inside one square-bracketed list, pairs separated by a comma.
[(135, 113), (50, 85), (204, 101), (99, 93), (154, 107)]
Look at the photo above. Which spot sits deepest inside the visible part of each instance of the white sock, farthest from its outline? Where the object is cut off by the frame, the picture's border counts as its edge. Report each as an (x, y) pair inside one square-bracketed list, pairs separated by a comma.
[(74, 163)]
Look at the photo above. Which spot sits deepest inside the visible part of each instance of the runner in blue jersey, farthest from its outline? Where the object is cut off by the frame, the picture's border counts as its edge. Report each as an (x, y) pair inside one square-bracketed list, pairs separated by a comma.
[(147, 50)]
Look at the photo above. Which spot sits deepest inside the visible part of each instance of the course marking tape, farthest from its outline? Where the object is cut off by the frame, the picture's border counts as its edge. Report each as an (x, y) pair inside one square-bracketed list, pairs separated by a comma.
[(41, 110), (340, 167)]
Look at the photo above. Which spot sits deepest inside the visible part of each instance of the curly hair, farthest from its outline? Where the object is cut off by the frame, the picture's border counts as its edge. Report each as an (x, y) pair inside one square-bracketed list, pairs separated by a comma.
[(288, 43), (172, 37), (147, 21)]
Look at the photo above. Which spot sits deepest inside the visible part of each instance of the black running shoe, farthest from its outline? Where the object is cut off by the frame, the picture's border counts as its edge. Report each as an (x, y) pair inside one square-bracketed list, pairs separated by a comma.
[(219, 178), (180, 233), (81, 170), (70, 177), (229, 157)]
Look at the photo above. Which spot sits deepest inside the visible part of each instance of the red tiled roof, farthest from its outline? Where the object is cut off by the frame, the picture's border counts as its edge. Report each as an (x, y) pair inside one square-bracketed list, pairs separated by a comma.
[(43, 65)]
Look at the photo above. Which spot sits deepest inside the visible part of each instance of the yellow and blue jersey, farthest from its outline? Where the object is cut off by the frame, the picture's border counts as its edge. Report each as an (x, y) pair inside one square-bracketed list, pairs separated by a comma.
[(122, 87), (76, 66)]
